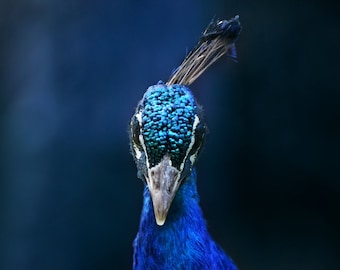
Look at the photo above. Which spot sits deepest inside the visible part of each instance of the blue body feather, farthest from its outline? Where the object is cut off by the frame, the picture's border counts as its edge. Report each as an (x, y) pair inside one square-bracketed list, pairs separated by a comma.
[(183, 242)]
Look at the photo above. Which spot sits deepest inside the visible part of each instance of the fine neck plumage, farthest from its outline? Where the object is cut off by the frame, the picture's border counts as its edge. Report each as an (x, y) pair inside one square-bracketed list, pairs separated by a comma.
[(183, 242)]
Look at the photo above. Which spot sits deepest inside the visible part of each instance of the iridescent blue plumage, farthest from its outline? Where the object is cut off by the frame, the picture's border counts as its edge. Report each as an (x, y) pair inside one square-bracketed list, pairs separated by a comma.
[(167, 132), (183, 242)]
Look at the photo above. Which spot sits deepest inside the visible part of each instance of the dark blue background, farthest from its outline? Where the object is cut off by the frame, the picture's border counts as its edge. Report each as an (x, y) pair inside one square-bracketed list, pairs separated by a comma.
[(72, 73)]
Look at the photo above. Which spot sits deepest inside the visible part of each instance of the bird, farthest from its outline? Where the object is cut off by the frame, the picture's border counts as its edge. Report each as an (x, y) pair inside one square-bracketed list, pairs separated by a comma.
[(167, 132)]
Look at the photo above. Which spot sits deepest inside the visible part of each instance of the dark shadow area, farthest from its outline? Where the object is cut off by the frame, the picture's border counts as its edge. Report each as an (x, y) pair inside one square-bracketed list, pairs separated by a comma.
[(71, 74)]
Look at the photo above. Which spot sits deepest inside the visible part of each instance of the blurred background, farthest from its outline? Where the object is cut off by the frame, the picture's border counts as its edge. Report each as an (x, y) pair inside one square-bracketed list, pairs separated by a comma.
[(71, 74)]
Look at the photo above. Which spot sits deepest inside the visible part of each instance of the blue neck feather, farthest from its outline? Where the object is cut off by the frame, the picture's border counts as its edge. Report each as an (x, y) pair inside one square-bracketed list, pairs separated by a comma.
[(183, 242)]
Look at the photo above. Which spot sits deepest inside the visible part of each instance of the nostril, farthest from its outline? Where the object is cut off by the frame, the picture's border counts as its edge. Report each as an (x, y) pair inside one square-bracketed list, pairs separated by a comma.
[(156, 184), (170, 187)]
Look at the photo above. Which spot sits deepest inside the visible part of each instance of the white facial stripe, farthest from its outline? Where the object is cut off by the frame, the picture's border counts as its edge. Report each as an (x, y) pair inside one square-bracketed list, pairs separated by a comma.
[(196, 122), (137, 151), (139, 118), (141, 139), (193, 157)]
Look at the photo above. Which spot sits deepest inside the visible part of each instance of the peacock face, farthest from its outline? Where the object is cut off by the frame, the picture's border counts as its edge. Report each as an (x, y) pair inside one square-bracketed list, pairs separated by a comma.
[(167, 132)]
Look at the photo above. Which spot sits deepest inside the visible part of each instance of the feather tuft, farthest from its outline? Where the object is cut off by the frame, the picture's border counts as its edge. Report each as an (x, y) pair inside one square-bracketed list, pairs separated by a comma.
[(217, 40)]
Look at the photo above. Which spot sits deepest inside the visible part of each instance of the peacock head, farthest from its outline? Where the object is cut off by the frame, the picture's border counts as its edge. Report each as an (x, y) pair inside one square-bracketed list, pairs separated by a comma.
[(166, 133)]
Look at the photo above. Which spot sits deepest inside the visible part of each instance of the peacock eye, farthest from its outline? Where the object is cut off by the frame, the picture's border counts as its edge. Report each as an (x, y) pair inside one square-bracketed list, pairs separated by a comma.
[(135, 132), (199, 133), (199, 138)]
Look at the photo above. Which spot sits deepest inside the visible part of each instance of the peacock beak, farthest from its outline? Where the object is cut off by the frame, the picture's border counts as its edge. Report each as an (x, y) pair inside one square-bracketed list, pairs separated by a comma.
[(163, 183)]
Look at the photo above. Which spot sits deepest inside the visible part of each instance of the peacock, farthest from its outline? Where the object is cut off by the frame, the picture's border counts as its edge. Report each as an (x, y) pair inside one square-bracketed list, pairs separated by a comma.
[(167, 132)]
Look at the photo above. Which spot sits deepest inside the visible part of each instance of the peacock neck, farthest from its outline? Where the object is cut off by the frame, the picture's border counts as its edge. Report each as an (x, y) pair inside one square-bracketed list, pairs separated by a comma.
[(183, 242), (184, 210), (179, 239)]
